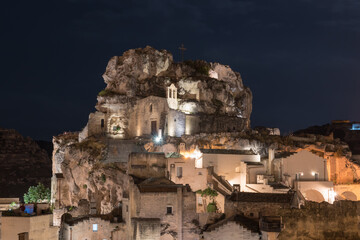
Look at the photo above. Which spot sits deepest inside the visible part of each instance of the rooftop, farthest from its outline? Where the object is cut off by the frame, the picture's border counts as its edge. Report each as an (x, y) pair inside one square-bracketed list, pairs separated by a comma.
[(225, 151), (261, 197), (158, 185), (248, 223)]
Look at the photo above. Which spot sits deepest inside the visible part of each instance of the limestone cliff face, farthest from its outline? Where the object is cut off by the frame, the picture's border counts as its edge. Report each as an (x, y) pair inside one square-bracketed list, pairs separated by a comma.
[(145, 72), (85, 177), (22, 164)]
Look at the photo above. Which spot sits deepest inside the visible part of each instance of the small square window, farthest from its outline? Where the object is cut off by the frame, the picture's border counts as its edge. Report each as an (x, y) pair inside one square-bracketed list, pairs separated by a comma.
[(95, 227), (169, 210)]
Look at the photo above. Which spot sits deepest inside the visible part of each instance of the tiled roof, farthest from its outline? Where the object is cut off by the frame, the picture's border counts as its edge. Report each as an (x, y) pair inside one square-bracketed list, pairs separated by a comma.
[(262, 197)]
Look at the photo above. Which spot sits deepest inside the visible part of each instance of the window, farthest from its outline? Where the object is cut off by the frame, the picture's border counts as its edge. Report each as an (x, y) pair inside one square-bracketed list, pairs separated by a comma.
[(102, 123), (179, 172), (150, 109), (169, 210), (95, 227), (23, 236)]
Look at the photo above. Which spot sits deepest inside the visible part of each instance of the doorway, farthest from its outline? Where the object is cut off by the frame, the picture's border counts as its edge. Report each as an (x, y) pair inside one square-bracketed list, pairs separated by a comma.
[(153, 128)]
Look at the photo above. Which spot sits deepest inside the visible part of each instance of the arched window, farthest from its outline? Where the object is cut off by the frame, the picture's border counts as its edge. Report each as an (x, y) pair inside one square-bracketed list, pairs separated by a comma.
[(150, 108)]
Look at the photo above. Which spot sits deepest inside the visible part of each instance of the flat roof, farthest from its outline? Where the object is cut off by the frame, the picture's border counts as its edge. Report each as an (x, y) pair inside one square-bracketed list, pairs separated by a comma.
[(226, 151), (261, 197)]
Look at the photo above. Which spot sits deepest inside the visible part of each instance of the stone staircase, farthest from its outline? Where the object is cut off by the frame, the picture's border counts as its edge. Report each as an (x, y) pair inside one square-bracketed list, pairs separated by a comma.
[(231, 230), (236, 227)]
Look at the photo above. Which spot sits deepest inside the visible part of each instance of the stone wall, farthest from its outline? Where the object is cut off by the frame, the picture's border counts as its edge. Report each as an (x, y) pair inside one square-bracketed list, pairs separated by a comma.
[(253, 209), (96, 125), (348, 191), (342, 171), (146, 111), (197, 178), (153, 205), (145, 165), (94, 228), (192, 125), (304, 163), (175, 123), (321, 221), (145, 229), (231, 166), (38, 227)]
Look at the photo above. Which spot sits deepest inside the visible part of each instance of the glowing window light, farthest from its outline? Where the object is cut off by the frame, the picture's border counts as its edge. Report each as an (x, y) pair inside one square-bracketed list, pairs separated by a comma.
[(95, 227), (158, 139)]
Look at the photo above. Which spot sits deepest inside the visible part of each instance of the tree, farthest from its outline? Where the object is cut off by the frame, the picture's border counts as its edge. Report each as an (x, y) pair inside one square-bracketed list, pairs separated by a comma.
[(37, 194), (211, 193)]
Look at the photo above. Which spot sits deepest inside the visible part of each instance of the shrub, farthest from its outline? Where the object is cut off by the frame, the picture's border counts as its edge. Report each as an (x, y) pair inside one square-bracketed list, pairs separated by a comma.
[(106, 93), (37, 194), (200, 67)]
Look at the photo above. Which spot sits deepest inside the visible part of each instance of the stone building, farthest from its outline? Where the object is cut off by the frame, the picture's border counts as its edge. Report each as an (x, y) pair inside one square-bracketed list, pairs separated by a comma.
[(256, 205), (27, 227), (89, 228), (234, 227), (183, 170), (306, 172), (160, 209)]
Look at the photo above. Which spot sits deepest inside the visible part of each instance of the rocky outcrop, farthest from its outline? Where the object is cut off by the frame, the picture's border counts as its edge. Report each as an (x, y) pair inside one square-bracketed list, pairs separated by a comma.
[(22, 164), (139, 73), (85, 176)]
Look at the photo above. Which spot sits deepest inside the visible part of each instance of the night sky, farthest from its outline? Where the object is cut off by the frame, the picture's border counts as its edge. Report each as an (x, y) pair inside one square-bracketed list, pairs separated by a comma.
[(301, 58)]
